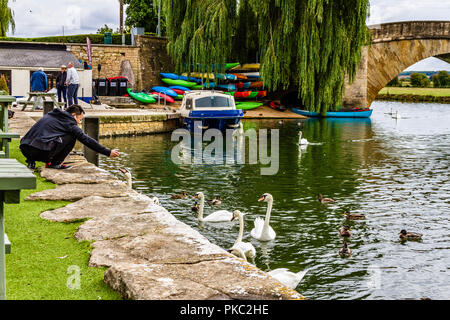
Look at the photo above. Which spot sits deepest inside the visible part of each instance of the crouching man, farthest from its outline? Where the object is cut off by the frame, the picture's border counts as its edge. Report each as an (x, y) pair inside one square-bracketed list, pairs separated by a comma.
[(53, 137)]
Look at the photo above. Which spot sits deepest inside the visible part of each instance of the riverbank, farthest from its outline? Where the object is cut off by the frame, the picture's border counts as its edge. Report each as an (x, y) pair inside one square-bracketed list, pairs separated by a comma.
[(437, 95), (148, 253)]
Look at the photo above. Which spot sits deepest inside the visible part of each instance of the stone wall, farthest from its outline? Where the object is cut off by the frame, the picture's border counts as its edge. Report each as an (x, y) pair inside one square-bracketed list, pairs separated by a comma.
[(147, 59), (123, 125)]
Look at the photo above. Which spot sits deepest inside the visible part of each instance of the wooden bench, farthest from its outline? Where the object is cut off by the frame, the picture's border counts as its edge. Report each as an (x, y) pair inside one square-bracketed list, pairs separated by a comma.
[(14, 177)]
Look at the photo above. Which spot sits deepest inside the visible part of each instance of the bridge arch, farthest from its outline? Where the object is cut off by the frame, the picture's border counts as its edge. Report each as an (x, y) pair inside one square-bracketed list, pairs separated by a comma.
[(395, 47)]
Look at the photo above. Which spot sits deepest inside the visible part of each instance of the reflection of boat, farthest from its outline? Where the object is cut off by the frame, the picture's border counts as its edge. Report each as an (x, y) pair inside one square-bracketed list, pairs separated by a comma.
[(355, 113), (209, 109)]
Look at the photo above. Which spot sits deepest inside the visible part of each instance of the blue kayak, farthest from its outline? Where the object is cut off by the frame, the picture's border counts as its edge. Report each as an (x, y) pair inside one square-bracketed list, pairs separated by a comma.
[(335, 114), (166, 91), (172, 76), (180, 87), (186, 78)]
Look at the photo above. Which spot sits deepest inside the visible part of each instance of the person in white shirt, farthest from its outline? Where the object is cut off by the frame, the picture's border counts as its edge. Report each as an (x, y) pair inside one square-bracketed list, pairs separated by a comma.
[(72, 82)]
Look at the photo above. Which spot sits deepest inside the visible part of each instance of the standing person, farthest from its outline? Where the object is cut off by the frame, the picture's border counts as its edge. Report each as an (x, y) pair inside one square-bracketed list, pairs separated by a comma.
[(61, 87), (52, 138), (72, 82), (38, 82)]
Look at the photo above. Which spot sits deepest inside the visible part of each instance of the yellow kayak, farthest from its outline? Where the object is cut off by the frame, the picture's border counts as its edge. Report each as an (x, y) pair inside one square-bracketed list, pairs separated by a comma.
[(247, 66), (200, 75)]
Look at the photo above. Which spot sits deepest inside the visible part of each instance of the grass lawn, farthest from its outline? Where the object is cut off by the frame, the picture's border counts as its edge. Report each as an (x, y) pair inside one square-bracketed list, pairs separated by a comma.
[(437, 92), (42, 252)]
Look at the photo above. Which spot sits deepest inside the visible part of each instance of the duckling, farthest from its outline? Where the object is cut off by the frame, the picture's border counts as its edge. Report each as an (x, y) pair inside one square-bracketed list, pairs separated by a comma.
[(324, 200), (195, 207), (180, 196), (345, 251), (345, 231), (216, 201), (410, 235), (353, 216)]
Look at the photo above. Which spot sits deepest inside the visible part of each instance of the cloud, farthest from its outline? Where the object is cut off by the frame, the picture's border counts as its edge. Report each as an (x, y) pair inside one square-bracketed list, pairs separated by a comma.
[(47, 17)]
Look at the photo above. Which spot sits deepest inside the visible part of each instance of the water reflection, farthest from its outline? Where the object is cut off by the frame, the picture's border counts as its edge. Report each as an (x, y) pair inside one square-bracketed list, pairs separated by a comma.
[(395, 171)]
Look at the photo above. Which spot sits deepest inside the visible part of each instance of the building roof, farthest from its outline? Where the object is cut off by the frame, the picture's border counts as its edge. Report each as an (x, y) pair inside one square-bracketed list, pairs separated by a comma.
[(36, 56)]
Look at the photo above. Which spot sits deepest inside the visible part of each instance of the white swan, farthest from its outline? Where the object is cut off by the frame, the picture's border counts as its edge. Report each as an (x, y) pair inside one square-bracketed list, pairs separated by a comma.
[(128, 177), (397, 115), (288, 278), (262, 230), (300, 140), (242, 247), (218, 216)]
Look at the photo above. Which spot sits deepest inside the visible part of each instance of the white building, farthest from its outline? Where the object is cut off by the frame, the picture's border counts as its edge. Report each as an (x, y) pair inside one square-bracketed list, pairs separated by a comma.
[(18, 61)]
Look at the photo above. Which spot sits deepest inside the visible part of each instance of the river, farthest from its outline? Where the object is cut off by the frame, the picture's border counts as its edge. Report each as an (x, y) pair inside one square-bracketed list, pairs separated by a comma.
[(395, 171)]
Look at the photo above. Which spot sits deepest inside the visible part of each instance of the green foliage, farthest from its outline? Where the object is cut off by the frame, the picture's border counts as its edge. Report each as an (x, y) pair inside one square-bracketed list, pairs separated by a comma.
[(394, 83), (419, 80), (441, 79), (81, 38), (143, 13), (3, 85), (6, 18), (104, 29), (307, 45)]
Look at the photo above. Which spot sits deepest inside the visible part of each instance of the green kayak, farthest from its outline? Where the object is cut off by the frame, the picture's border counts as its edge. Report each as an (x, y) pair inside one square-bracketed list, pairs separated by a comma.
[(248, 105), (182, 83), (179, 97), (197, 87), (141, 97), (231, 65)]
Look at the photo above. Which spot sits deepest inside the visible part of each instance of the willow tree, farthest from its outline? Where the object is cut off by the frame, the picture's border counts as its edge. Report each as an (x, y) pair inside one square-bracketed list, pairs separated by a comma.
[(306, 44), (6, 18)]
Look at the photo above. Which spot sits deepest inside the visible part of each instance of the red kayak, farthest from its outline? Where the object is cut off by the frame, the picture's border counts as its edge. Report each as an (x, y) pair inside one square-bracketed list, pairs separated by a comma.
[(178, 91), (162, 95), (277, 106), (262, 94), (242, 94)]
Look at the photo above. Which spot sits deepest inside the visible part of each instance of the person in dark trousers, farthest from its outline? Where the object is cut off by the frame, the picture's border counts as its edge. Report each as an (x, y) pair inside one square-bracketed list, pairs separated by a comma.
[(61, 87), (51, 139)]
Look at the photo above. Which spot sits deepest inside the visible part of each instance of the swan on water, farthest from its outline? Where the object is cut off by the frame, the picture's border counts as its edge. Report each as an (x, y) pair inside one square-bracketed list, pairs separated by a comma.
[(300, 140), (288, 278), (218, 216), (239, 246), (262, 230)]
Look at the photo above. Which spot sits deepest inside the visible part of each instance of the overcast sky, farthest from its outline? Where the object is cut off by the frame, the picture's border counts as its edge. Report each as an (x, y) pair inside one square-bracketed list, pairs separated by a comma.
[(47, 17)]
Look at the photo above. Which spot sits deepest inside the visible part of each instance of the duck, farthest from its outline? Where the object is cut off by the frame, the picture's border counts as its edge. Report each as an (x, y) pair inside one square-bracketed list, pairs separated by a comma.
[(345, 231), (262, 230), (239, 246), (156, 201), (345, 251), (409, 235), (128, 177), (300, 140), (324, 200), (195, 207), (216, 201), (353, 216), (287, 277), (180, 196), (217, 216)]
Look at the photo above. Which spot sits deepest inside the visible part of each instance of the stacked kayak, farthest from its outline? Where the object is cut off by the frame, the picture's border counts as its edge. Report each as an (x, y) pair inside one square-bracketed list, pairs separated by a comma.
[(141, 97)]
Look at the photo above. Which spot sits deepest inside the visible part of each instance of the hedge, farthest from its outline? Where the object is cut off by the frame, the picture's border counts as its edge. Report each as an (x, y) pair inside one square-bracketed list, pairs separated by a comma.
[(81, 38)]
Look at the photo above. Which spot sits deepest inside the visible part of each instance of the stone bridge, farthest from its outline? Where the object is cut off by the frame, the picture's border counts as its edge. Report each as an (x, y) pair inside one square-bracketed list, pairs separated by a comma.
[(396, 46)]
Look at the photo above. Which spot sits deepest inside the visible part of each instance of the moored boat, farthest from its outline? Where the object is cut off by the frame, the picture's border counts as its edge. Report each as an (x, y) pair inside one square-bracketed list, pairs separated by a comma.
[(354, 113), (204, 109)]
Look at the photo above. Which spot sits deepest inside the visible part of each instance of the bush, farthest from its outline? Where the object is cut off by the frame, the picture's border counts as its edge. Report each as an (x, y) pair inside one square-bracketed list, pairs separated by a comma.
[(441, 79), (3, 85)]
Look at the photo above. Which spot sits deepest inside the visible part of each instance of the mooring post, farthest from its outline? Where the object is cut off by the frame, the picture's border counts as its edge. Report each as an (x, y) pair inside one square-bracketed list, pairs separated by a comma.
[(91, 128)]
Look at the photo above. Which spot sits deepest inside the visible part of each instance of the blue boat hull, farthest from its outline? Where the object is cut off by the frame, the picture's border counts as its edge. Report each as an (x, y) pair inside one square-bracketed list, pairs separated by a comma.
[(335, 114), (221, 120)]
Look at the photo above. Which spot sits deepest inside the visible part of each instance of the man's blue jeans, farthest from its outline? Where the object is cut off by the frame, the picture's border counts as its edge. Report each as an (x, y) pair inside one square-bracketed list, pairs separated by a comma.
[(72, 94), (62, 91)]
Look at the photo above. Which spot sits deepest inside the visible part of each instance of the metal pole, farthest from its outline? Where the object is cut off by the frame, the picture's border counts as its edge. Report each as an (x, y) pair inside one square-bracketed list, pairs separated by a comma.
[(158, 29)]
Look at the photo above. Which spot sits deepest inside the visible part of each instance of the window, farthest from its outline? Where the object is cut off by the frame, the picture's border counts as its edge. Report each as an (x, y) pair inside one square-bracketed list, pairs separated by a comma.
[(213, 102), (51, 78), (189, 104)]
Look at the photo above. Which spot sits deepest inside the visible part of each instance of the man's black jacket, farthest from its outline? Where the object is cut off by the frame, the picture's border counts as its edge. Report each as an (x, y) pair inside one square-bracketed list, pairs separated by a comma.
[(45, 133), (61, 79)]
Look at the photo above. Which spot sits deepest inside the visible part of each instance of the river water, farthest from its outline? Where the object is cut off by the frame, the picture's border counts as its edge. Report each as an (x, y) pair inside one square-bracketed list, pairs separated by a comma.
[(395, 171)]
